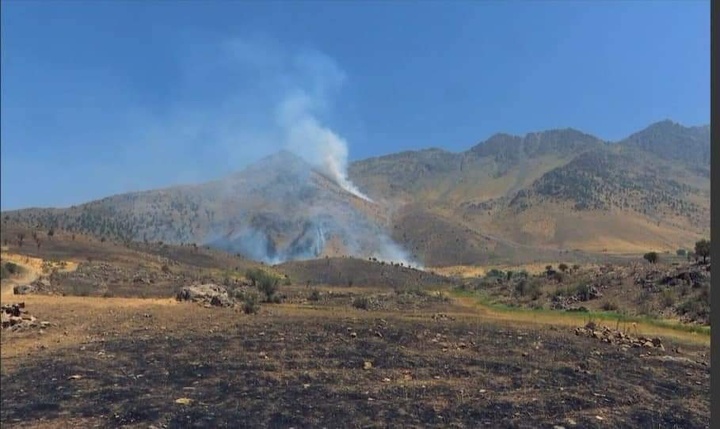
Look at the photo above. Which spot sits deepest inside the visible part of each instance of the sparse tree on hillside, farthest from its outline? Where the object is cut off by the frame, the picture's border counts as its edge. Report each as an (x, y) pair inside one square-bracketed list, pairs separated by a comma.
[(51, 233), (563, 267), (20, 238), (702, 249), (651, 257)]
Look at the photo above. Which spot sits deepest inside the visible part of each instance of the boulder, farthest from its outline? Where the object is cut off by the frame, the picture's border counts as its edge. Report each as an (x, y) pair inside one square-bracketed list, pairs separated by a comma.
[(24, 289), (209, 293)]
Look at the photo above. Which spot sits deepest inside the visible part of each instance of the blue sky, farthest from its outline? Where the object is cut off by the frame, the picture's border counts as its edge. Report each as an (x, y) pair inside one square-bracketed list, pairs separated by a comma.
[(104, 97)]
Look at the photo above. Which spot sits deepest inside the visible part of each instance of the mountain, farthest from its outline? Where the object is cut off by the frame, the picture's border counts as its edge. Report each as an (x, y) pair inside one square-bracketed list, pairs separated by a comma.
[(551, 194), (674, 142)]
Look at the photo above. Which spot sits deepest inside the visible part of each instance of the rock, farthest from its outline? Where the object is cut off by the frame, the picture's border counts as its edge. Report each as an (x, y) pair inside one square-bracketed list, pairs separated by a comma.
[(23, 289), (353, 334), (367, 365), (208, 294), (648, 344)]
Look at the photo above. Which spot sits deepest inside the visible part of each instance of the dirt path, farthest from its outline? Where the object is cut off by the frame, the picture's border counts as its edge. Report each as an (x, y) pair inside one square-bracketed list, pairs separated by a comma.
[(33, 269)]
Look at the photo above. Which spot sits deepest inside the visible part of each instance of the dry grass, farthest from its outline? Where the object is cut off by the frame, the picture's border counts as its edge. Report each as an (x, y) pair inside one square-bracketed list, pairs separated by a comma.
[(434, 363)]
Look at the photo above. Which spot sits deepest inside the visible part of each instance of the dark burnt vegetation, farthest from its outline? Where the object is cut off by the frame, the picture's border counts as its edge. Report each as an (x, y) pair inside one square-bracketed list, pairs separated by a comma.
[(340, 372)]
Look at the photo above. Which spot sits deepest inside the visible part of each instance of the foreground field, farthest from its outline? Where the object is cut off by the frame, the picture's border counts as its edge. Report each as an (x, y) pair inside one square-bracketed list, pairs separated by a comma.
[(351, 344), (116, 362)]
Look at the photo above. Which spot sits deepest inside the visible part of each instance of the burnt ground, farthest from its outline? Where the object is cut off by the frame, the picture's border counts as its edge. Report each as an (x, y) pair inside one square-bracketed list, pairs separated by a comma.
[(119, 358), (292, 366)]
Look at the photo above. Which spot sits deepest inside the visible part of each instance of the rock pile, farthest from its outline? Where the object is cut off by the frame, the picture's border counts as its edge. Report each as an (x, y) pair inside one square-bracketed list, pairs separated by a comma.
[(611, 336), (39, 286), (692, 275), (564, 302), (16, 317), (211, 295)]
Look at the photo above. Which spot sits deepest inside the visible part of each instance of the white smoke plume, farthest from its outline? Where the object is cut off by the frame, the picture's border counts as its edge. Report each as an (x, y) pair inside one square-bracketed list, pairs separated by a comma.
[(243, 101), (319, 145)]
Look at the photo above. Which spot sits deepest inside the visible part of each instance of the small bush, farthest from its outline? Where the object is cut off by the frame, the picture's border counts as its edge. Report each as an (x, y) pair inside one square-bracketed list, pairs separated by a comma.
[(9, 269), (528, 288), (361, 303), (609, 306), (583, 292), (251, 305), (563, 267), (314, 296), (268, 285), (667, 298), (495, 273), (651, 257)]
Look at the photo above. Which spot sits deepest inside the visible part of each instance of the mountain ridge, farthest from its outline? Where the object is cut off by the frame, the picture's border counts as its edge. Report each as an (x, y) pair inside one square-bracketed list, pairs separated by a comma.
[(493, 198)]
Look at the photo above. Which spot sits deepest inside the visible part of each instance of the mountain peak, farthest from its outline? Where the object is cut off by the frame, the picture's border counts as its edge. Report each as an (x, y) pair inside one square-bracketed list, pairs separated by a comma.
[(674, 141)]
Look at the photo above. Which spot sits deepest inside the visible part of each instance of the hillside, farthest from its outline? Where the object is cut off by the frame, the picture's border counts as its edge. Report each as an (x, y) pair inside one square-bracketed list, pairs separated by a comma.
[(551, 191), (507, 199)]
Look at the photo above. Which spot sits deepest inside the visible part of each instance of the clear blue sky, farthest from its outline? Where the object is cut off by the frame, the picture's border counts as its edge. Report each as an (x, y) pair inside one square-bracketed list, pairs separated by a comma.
[(103, 97)]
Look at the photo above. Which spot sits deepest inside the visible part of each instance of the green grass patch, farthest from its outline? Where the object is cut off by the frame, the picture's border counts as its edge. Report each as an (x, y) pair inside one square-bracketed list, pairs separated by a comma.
[(607, 316)]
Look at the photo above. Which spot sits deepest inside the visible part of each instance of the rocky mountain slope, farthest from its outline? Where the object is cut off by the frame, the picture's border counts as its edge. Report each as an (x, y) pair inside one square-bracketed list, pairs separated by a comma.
[(509, 198)]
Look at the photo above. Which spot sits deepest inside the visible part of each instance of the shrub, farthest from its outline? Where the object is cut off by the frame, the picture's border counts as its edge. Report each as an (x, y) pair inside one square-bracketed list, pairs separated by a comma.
[(251, 305), (314, 296), (361, 302), (667, 298), (583, 292), (609, 306), (563, 267), (651, 257), (9, 269), (495, 273), (528, 288), (702, 249), (254, 274), (268, 285), (576, 267), (681, 252)]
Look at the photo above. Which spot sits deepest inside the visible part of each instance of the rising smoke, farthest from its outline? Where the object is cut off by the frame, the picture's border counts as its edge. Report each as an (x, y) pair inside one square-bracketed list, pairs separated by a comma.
[(319, 145), (297, 220)]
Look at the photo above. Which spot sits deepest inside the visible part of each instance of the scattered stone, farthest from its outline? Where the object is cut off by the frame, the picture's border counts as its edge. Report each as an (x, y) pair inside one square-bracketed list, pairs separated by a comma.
[(367, 365), (15, 317), (610, 336)]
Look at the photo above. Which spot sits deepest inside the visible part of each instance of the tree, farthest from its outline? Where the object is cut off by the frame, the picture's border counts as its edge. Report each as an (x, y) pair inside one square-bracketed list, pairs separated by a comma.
[(702, 249), (51, 233), (651, 257), (563, 267)]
